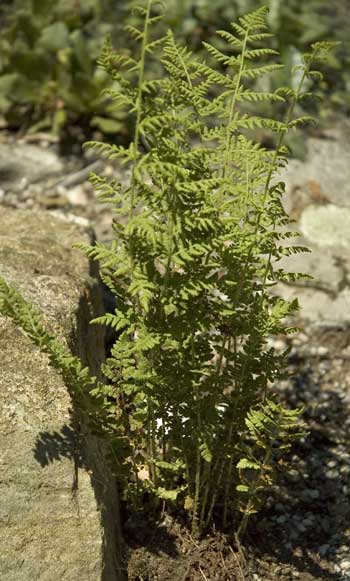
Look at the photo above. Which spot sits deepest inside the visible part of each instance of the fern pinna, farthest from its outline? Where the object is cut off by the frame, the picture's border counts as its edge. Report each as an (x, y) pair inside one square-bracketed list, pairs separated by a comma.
[(199, 231)]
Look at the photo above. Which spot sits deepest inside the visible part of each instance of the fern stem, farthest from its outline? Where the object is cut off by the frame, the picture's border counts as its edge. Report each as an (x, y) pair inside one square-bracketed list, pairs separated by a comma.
[(233, 104), (227, 488), (137, 134), (250, 504), (219, 479), (139, 104), (206, 475), (198, 454), (197, 492), (151, 441)]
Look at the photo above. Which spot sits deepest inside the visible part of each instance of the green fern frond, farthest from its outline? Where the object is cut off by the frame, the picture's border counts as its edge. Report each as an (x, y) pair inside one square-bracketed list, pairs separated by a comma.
[(254, 73), (110, 151), (230, 38), (255, 20)]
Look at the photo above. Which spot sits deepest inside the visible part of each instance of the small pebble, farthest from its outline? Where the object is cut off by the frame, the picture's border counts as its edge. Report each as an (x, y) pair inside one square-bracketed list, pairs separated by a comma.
[(331, 474), (293, 475), (345, 565), (279, 345), (77, 196), (310, 493), (323, 550), (280, 507)]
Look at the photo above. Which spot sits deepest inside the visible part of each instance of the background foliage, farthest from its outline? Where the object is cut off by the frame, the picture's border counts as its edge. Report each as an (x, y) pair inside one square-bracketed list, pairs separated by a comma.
[(49, 78), (48, 51)]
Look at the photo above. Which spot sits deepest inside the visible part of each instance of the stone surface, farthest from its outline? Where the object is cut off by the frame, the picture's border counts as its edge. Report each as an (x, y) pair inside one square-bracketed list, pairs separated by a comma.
[(23, 164), (318, 198), (327, 226), (325, 174), (59, 509)]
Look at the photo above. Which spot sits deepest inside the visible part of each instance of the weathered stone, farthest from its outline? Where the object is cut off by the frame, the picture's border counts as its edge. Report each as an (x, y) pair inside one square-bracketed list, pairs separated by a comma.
[(319, 308), (23, 164), (327, 226), (325, 174), (59, 509), (318, 198)]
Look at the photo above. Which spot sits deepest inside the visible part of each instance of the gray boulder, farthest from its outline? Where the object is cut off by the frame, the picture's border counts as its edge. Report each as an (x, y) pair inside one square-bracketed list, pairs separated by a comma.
[(59, 506), (318, 198), (23, 164)]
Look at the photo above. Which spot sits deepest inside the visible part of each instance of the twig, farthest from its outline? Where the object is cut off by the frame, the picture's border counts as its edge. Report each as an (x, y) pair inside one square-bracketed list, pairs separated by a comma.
[(186, 572), (322, 356), (241, 572), (79, 176), (39, 136), (243, 559)]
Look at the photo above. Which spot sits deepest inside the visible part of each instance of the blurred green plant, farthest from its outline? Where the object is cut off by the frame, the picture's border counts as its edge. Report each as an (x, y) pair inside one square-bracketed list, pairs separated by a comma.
[(48, 74), (48, 52)]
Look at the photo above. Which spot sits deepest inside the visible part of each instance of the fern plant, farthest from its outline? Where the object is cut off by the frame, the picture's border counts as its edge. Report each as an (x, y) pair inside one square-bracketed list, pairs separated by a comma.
[(199, 231)]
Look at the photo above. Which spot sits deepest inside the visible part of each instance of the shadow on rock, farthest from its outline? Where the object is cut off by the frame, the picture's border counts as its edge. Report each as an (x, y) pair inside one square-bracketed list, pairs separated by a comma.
[(51, 447)]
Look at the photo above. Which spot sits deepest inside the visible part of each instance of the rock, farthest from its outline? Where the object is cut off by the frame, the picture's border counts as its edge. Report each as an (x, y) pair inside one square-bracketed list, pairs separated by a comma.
[(325, 174), (307, 522), (332, 474), (318, 198), (76, 196), (23, 164), (312, 492), (318, 308), (293, 475), (59, 508), (345, 565), (323, 550), (327, 226)]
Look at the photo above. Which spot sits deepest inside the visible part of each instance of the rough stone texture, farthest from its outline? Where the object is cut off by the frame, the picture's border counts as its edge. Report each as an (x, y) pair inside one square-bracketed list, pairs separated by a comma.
[(318, 198), (23, 164), (327, 225), (325, 174), (59, 509)]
